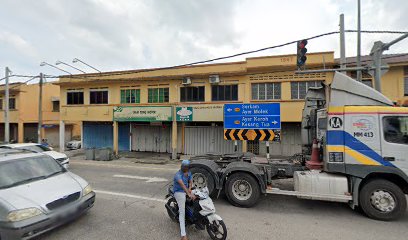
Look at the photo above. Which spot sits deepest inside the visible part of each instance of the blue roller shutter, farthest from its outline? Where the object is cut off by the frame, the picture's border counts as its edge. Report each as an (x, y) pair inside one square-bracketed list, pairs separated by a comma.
[(124, 138), (97, 134)]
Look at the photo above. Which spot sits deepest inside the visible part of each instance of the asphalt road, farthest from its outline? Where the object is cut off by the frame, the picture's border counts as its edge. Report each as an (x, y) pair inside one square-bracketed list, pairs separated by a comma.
[(128, 207)]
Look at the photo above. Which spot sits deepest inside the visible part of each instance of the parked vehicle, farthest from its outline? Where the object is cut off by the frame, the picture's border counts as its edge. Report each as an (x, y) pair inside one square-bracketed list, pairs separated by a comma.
[(36, 147), (355, 145), (200, 212), (73, 145), (37, 194)]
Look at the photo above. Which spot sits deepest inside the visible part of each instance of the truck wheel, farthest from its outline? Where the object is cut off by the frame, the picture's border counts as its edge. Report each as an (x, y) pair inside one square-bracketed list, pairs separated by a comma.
[(382, 200), (242, 190), (202, 178)]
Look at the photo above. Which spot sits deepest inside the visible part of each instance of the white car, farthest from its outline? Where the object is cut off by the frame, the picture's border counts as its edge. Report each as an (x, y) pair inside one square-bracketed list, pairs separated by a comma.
[(39, 148), (30, 201)]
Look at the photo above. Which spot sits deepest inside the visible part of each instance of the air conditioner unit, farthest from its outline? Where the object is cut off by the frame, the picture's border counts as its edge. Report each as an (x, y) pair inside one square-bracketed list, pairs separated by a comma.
[(186, 81), (214, 79)]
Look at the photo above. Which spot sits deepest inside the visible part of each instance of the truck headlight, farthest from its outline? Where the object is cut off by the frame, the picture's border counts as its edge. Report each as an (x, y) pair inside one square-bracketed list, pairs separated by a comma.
[(87, 190), (23, 214)]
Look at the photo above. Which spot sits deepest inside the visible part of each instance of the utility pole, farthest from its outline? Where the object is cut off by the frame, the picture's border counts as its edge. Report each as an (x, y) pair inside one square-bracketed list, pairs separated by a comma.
[(376, 54), (40, 108), (6, 108), (342, 43), (359, 74)]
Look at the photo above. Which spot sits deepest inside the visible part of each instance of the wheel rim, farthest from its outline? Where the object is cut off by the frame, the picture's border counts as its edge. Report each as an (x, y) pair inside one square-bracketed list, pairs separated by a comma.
[(217, 230), (199, 180), (383, 201), (242, 190)]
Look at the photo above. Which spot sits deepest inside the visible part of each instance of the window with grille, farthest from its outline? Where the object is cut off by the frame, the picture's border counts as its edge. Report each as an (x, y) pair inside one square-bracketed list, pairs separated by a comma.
[(130, 96), (299, 89), (12, 103), (55, 106), (266, 91), (158, 95), (192, 94), (75, 97), (224, 93), (98, 96), (406, 81)]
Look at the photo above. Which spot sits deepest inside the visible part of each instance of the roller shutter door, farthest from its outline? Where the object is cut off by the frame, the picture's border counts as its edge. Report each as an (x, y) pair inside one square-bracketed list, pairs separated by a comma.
[(97, 135), (205, 139)]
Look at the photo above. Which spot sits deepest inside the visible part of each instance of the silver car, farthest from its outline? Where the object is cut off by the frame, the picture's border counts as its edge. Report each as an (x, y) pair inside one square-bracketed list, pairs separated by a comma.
[(37, 194)]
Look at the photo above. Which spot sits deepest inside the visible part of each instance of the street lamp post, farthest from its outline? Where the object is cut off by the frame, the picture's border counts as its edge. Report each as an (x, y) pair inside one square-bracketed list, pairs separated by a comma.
[(66, 64), (42, 64), (75, 60)]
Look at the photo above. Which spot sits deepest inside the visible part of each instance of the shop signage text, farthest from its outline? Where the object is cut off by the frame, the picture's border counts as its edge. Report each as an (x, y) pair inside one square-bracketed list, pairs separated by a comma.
[(142, 114)]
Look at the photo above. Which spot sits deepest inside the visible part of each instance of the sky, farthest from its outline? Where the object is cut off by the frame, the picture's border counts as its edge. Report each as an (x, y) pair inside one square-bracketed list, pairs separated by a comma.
[(132, 34)]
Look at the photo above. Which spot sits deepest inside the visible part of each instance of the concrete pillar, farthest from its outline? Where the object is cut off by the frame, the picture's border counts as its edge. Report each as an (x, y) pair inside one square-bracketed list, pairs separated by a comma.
[(174, 136), (115, 138), (20, 132), (62, 136)]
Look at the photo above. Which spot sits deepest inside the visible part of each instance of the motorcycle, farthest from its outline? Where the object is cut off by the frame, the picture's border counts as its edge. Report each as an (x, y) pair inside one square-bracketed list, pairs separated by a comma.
[(199, 212)]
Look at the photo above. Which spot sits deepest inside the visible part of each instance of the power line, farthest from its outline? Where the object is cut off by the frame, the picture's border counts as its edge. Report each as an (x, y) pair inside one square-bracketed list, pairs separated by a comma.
[(93, 75), (22, 83)]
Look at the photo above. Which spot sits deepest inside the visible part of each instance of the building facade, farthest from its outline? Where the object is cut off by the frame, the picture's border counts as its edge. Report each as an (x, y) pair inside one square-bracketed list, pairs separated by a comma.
[(23, 113), (180, 110)]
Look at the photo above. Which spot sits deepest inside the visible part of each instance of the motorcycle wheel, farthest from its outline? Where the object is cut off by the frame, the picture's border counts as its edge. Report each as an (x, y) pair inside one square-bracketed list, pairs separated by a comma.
[(217, 230), (173, 204)]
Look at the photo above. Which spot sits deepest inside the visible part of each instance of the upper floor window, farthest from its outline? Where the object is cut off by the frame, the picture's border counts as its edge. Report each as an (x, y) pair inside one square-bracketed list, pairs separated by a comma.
[(130, 96), (406, 81), (75, 96), (299, 89), (396, 129), (12, 103), (266, 91), (98, 96), (158, 95), (55, 106), (224, 92), (192, 94)]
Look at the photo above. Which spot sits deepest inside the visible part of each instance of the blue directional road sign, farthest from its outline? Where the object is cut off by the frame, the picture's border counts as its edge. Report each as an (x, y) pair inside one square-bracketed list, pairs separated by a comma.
[(252, 116)]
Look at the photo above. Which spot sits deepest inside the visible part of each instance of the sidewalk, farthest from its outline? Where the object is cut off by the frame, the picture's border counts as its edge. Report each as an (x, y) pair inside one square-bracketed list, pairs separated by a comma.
[(130, 157)]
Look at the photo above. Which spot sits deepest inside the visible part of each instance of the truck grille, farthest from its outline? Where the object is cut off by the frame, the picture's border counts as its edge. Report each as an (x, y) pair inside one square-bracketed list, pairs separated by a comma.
[(63, 201)]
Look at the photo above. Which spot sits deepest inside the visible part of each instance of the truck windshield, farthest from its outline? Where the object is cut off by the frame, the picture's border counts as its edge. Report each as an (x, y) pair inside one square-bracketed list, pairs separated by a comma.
[(20, 171)]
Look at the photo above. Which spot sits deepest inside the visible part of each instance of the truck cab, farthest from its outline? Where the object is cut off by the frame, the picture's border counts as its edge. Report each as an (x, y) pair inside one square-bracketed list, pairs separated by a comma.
[(355, 151)]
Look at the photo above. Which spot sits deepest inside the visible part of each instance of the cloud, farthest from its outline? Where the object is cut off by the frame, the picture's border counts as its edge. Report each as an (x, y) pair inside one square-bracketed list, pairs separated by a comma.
[(129, 34)]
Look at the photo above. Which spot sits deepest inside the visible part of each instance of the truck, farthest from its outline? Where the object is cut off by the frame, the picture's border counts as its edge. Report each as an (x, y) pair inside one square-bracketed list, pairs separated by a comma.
[(354, 150)]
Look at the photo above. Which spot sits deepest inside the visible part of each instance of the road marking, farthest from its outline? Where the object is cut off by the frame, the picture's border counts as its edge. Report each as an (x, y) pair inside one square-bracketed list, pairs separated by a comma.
[(129, 196), (170, 168), (149, 179)]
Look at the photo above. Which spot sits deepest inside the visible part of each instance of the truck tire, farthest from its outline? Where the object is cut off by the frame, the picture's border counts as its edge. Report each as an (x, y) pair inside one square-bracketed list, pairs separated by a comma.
[(202, 178), (242, 190), (382, 200)]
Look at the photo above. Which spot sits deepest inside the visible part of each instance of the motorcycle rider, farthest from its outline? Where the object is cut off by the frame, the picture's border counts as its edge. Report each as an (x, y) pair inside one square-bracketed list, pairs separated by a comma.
[(182, 188)]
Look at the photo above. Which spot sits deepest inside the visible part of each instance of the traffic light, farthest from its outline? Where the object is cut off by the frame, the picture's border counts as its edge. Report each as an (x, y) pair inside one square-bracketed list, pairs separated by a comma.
[(301, 53)]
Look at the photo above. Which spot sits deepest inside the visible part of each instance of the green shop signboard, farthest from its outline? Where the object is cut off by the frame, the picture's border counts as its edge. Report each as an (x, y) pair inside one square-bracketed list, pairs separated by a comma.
[(142, 114), (184, 114)]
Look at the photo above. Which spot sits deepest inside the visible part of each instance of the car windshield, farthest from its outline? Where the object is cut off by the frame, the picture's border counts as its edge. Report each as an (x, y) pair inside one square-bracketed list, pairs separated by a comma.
[(20, 171), (36, 148)]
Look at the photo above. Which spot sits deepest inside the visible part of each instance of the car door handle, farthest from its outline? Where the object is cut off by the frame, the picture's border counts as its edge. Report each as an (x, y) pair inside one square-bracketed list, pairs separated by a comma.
[(389, 159)]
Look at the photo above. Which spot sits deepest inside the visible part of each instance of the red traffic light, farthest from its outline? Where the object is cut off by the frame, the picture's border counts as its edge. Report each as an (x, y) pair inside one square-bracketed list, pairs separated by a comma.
[(302, 44)]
